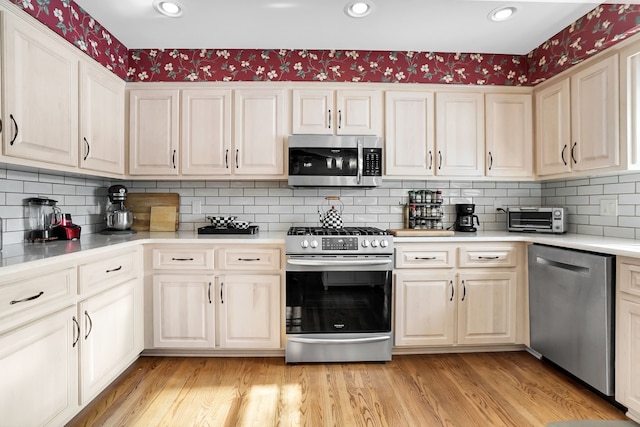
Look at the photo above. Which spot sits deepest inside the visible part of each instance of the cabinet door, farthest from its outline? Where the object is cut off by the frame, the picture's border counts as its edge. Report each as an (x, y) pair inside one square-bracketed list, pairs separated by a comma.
[(425, 309), (259, 132), (509, 135), (459, 134), (313, 112), (40, 95), (39, 371), (101, 120), (109, 339), (206, 132), (553, 129), (409, 133), (628, 354), (154, 132), (359, 112), (487, 308), (183, 311), (595, 116), (250, 311)]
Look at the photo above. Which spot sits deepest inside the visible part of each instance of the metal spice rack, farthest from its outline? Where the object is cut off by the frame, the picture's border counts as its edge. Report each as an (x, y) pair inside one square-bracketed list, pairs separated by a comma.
[(424, 210)]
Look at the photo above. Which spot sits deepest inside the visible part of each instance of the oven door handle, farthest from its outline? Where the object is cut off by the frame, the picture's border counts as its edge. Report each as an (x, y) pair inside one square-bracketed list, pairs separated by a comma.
[(325, 263), (338, 340)]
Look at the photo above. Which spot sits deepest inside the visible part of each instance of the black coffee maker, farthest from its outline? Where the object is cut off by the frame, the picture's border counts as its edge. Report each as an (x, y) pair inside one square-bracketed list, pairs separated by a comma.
[(465, 219)]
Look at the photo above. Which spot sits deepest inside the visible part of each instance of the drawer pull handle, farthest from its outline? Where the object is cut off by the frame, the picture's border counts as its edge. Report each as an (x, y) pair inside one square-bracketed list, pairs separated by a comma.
[(209, 292), (181, 259), (221, 290), (488, 257), (248, 259), (114, 269), (77, 337), (464, 290), (452, 291), (90, 324), (428, 258), (31, 298)]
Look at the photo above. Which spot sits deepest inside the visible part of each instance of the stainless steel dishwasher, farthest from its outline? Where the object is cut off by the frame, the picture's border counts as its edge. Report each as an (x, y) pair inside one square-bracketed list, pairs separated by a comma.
[(571, 304)]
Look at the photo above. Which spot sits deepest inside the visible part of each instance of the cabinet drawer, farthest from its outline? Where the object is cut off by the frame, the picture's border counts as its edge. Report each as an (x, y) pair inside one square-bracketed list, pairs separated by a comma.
[(248, 259), (183, 259), (628, 272), (488, 256), (425, 257), (32, 295), (109, 271)]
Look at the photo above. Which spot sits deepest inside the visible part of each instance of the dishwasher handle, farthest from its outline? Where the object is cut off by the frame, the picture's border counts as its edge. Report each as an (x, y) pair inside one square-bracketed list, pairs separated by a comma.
[(562, 265)]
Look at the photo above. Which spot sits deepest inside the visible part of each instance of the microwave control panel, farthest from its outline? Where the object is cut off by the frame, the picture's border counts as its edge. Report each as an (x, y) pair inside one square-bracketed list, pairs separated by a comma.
[(372, 162)]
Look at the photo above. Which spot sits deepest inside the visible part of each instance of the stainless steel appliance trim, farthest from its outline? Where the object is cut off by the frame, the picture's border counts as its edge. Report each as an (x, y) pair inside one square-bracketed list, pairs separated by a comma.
[(327, 263), (340, 341)]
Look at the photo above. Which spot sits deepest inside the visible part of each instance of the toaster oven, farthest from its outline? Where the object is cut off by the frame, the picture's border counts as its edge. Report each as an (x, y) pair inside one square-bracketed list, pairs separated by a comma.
[(538, 219)]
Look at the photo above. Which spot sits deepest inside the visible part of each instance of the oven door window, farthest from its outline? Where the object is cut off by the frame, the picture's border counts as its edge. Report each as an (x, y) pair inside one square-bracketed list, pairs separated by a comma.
[(338, 302), (323, 161)]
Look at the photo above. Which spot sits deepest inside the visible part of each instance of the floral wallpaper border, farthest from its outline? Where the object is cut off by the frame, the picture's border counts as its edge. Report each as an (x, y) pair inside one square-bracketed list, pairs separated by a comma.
[(604, 26)]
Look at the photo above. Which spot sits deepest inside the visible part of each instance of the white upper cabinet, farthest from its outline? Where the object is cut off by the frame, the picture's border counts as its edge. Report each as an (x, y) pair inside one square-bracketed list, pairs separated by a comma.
[(154, 132), (40, 98), (509, 135), (409, 133), (206, 132), (259, 132), (553, 129), (459, 134), (588, 100), (102, 131), (595, 116), (340, 112)]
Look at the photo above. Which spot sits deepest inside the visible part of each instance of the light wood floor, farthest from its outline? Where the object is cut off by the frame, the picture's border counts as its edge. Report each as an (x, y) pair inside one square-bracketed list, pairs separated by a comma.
[(458, 390)]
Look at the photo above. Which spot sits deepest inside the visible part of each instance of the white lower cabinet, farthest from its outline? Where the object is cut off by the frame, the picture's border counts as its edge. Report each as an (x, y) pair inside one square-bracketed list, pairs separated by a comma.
[(232, 303), (627, 339), (109, 340), (183, 311), (441, 301), (39, 371), (249, 311), (425, 308)]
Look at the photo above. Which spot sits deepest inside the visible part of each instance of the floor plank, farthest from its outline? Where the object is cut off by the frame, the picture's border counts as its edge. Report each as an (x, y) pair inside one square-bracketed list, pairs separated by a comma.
[(454, 390)]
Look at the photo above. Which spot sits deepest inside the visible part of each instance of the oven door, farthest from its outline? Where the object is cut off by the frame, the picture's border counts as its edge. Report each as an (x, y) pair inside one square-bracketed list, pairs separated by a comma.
[(338, 309)]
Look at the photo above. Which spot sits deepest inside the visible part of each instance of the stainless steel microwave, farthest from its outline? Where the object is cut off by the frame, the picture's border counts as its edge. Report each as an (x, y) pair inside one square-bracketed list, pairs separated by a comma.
[(335, 161), (538, 219)]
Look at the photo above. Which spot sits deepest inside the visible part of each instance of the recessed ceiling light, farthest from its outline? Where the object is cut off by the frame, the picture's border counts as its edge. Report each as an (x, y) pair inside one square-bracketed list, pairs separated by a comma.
[(502, 13), (168, 8), (359, 8)]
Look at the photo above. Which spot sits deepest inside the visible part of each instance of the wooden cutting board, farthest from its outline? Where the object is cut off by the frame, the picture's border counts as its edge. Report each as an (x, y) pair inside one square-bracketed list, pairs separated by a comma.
[(163, 218), (419, 232), (141, 204)]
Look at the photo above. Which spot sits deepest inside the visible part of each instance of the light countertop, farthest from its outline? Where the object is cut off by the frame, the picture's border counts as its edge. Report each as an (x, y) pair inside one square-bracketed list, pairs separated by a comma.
[(17, 254)]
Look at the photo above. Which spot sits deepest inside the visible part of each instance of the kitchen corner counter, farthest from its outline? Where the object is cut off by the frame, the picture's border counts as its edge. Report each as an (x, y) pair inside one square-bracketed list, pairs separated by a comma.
[(608, 245), (19, 254)]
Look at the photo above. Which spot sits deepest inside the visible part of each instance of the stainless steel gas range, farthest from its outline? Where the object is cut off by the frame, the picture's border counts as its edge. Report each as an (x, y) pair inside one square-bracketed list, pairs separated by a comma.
[(338, 294)]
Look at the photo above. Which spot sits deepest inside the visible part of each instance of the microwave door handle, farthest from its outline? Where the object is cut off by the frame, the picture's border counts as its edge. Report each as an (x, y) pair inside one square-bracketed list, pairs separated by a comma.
[(360, 159)]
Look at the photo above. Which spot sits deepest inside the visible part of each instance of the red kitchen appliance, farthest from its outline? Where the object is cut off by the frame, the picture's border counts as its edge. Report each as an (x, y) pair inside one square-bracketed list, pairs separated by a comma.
[(67, 230)]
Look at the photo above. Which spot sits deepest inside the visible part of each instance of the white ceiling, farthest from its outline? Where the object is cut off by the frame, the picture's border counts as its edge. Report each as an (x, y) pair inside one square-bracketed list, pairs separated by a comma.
[(416, 25)]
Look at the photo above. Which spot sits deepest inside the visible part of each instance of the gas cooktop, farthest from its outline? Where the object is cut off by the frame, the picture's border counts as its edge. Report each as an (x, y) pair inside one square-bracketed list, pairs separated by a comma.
[(346, 231)]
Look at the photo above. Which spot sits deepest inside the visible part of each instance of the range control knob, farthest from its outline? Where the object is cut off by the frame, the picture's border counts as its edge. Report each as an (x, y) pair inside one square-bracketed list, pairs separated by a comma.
[(384, 243), (374, 243), (314, 244), (365, 243), (304, 244)]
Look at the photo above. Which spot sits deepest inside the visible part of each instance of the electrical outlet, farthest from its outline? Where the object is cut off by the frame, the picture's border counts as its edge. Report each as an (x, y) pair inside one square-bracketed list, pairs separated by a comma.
[(609, 207), (196, 207)]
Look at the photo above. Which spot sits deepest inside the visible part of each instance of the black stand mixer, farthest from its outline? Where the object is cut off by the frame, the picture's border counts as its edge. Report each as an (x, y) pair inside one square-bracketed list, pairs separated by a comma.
[(119, 218)]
